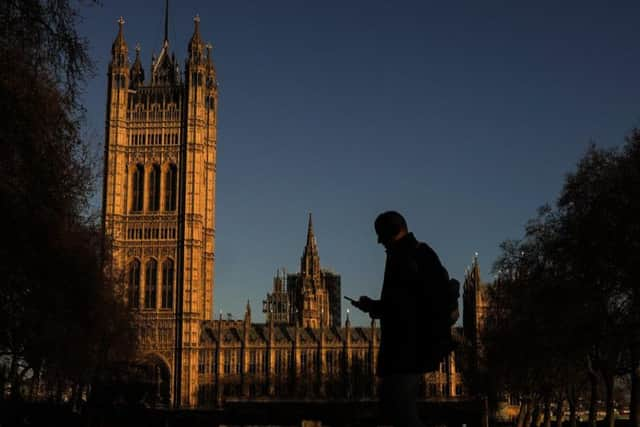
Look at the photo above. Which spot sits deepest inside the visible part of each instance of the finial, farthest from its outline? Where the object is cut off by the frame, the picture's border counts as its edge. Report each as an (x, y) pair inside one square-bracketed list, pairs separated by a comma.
[(120, 21), (209, 47), (196, 19), (138, 48)]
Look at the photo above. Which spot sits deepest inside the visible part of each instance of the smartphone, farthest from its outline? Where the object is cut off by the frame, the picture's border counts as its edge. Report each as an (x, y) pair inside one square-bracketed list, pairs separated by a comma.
[(350, 299)]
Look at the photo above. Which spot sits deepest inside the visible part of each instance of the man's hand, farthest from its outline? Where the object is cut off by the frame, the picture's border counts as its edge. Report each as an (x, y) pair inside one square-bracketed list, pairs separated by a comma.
[(364, 303)]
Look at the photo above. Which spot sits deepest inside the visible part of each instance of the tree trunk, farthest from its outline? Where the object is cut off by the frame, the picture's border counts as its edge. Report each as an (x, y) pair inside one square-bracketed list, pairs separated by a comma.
[(14, 378), (607, 376), (535, 417), (35, 384), (59, 389), (634, 403), (593, 400), (547, 411), (531, 408), (524, 407), (573, 414), (559, 412), (75, 397), (572, 399)]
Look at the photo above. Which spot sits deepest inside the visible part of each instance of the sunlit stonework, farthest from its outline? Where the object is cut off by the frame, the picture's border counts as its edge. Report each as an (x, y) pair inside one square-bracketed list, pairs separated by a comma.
[(159, 201)]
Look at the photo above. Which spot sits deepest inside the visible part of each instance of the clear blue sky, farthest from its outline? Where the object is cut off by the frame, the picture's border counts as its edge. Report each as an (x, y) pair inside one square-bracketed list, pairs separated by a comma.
[(464, 116)]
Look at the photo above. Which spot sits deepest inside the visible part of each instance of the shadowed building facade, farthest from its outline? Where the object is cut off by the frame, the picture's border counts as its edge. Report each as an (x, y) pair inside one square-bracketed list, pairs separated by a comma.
[(245, 360)]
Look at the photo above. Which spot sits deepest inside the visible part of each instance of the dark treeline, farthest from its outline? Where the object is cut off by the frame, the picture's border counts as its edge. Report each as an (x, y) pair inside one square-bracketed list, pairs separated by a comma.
[(563, 319), (61, 318)]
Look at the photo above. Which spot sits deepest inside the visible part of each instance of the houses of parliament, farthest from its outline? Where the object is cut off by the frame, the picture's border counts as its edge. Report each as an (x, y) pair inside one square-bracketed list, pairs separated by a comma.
[(159, 213)]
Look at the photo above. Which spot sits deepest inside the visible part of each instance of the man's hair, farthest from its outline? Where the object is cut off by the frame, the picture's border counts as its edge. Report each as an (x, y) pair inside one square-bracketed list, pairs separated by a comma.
[(390, 223)]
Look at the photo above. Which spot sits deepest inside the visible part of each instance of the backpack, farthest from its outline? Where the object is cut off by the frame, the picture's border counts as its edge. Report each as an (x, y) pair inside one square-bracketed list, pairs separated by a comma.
[(442, 293)]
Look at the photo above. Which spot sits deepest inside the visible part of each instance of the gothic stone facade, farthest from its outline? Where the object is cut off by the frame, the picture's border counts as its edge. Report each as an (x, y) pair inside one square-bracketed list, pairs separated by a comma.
[(159, 201)]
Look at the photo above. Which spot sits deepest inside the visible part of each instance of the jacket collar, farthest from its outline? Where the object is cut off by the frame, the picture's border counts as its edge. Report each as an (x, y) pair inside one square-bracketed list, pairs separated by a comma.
[(406, 243)]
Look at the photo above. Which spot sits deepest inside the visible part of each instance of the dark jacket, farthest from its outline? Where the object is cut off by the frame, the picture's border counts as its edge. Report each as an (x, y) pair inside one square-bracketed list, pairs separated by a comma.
[(411, 332)]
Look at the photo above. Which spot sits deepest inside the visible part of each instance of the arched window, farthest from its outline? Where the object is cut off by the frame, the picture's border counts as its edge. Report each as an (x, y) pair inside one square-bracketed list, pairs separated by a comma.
[(171, 188), (134, 283), (154, 188), (167, 284), (151, 276), (138, 188)]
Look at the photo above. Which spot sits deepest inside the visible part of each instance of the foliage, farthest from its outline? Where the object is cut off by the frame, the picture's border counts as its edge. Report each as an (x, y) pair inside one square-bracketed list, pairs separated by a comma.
[(60, 318), (564, 309)]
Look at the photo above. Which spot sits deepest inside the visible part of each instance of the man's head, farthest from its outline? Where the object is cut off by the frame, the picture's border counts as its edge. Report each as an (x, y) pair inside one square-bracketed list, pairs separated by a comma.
[(390, 226)]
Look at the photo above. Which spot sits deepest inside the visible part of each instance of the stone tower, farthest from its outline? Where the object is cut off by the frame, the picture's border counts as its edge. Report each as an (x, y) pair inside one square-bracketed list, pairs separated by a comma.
[(276, 305), (475, 311), (159, 203), (308, 293)]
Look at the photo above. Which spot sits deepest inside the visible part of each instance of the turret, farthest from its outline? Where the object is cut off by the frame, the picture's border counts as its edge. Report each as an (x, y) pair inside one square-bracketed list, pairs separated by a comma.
[(246, 327), (310, 261), (119, 64), (196, 78), (119, 48), (116, 131), (244, 358), (347, 357), (247, 315), (196, 46), (136, 74), (211, 69)]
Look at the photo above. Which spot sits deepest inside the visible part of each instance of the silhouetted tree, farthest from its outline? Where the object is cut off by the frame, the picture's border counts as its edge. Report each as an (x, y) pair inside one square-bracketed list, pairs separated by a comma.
[(601, 225), (566, 305), (60, 315)]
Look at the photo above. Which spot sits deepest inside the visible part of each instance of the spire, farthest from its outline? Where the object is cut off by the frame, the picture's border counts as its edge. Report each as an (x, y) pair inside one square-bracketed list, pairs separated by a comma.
[(310, 263), (310, 236), (247, 314), (476, 268), (209, 47), (195, 44), (347, 322), (166, 21), (120, 25), (136, 75), (119, 46)]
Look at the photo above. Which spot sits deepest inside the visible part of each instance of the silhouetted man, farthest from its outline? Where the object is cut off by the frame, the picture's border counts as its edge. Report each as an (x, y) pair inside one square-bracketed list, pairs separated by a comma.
[(406, 300)]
